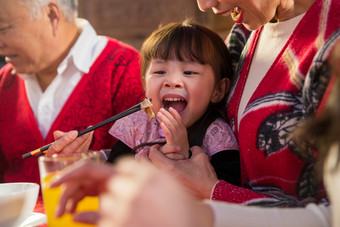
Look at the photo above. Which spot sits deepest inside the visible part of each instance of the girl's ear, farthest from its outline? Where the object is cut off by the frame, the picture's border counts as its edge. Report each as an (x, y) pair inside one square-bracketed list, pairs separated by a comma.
[(221, 90)]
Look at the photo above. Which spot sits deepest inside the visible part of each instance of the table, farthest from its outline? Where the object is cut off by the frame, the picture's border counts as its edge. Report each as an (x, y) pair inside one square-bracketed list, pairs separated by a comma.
[(39, 208)]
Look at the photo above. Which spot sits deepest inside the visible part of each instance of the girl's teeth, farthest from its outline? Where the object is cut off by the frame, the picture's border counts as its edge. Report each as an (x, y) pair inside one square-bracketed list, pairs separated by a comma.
[(173, 99)]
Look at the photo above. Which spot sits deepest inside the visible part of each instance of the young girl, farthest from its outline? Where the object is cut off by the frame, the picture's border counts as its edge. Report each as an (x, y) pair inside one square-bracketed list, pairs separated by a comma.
[(185, 71)]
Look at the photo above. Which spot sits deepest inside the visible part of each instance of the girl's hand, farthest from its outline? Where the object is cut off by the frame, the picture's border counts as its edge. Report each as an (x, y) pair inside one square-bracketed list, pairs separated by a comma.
[(68, 142), (175, 133)]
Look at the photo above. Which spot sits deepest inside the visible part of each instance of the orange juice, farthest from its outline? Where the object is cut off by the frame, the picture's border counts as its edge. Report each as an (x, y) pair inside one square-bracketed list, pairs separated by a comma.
[(51, 199)]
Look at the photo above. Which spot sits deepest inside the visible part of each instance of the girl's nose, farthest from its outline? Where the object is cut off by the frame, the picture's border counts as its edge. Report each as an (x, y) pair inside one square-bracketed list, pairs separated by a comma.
[(204, 5), (173, 82)]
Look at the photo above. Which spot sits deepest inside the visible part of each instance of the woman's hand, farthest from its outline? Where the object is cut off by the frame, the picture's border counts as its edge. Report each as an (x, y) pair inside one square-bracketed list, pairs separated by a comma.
[(68, 142), (196, 173)]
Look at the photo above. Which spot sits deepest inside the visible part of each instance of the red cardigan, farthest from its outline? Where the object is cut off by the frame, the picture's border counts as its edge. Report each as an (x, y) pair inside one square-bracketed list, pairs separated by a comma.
[(112, 85), (271, 171)]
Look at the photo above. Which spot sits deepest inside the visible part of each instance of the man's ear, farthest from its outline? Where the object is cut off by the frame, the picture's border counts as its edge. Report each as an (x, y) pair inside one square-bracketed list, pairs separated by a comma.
[(54, 14), (220, 90)]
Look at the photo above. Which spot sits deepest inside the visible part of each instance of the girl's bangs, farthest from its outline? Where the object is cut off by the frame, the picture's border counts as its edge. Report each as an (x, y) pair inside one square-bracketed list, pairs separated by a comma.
[(180, 44)]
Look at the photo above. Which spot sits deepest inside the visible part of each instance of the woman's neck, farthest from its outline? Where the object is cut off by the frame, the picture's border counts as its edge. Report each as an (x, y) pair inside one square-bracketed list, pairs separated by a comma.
[(291, 8)]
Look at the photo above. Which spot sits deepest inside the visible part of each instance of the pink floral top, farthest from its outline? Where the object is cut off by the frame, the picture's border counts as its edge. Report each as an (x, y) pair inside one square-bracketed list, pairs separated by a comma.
[(135, 129)]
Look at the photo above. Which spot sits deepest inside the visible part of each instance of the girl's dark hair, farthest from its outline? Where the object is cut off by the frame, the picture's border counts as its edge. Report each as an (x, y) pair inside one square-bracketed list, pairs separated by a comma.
[(189, 41)]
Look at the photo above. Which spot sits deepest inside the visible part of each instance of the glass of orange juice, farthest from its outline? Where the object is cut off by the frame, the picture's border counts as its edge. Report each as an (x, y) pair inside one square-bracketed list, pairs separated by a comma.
[(50, 168)]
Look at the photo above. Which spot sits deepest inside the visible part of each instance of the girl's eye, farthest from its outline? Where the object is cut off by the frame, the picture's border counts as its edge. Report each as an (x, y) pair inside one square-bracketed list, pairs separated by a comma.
[(189, 73), (160, 72)]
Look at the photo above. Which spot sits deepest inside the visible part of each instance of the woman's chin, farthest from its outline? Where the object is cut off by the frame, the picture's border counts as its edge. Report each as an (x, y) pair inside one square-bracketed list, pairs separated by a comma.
[(252, 27)]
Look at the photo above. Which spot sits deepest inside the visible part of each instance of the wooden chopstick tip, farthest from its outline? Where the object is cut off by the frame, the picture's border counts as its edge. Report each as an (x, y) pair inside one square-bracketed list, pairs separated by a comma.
[(32, 153)]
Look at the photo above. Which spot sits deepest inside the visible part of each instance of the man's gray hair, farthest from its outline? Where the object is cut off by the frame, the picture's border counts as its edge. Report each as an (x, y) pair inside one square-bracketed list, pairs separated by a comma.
[(69, 7)]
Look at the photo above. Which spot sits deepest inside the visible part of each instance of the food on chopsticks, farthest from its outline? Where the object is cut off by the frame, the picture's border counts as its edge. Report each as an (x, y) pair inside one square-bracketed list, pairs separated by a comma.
[(144, 105)]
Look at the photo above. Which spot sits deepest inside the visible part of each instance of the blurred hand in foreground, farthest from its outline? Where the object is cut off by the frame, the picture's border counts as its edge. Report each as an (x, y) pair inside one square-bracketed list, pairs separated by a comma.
[(131, 194)]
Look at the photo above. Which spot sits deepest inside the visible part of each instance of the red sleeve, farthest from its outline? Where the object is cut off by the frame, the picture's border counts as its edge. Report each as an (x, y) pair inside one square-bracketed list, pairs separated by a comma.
[(224, 191)]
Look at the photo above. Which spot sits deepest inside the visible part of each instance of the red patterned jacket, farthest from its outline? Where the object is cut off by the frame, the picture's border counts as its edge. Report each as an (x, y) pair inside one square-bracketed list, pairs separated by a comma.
[(112, 85), (272, 172)]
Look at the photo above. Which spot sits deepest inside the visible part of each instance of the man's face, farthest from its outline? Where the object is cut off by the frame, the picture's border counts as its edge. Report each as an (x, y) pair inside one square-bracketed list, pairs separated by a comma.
[(25, 42)]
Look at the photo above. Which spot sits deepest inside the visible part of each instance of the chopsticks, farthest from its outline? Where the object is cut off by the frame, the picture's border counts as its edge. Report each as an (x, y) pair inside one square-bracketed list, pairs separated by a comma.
[(42, 150)]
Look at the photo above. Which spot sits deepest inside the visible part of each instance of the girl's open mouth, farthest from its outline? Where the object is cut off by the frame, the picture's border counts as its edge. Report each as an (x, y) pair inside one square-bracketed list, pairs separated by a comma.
[(179, 104)]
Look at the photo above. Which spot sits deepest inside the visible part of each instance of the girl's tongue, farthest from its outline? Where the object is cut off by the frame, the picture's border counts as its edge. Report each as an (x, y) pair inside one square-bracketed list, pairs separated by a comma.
[(178, 104)]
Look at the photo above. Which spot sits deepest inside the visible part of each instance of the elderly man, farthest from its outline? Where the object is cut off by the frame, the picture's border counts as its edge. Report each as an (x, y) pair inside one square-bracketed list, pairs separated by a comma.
[(60, 75)]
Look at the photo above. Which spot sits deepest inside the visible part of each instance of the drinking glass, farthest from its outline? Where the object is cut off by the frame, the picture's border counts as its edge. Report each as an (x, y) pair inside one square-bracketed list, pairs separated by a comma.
[(50, 168)]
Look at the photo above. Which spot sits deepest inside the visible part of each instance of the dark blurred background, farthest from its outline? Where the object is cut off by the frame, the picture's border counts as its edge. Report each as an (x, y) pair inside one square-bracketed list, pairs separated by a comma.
[(2, 61), (131, 21)]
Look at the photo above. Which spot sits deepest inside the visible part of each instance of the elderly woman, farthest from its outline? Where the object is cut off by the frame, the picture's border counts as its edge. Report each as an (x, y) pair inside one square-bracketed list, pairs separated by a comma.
[(280, 48), (280, 78)]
